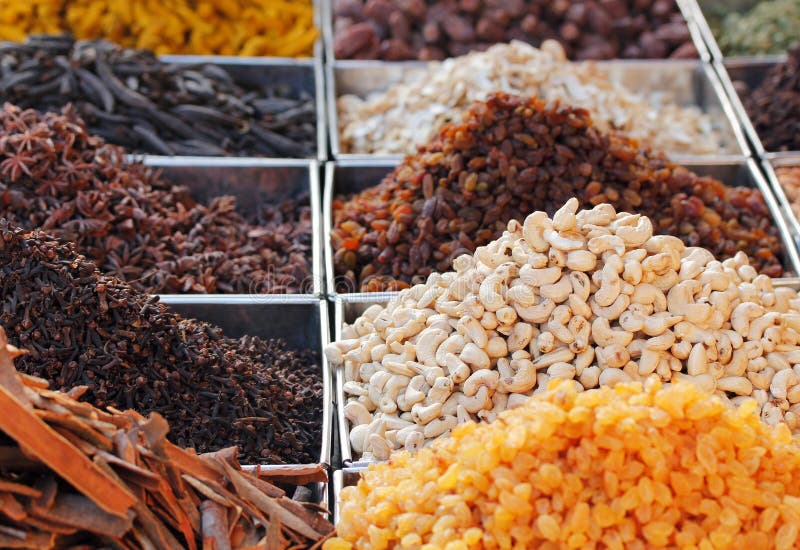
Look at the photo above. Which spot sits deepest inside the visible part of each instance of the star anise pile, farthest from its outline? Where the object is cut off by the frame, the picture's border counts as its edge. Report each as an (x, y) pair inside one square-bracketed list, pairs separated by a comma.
[(137, 226)]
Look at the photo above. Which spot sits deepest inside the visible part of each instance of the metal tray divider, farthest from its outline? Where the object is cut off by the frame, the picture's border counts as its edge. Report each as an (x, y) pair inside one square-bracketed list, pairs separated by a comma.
[(345, 477)]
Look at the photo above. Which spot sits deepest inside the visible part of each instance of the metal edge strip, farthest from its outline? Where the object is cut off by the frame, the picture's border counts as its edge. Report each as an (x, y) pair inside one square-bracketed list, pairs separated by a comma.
[(333, 111), (327, 220), (344, 429), (327, 391), (317, 259)]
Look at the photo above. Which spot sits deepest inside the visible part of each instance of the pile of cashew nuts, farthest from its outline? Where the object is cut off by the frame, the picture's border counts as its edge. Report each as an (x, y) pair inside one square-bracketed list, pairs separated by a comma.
[(590, 296)]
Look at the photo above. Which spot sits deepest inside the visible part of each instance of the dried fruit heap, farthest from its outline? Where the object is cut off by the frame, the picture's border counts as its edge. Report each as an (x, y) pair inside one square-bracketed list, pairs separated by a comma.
[(82, 328), (73, 476), (774, 106), (137, 226), (512, 156), (612, 468)]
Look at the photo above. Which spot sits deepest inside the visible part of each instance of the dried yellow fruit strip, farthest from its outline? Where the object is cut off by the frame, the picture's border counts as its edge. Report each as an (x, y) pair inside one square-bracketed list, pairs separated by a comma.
[(282, 28), (614, 467)]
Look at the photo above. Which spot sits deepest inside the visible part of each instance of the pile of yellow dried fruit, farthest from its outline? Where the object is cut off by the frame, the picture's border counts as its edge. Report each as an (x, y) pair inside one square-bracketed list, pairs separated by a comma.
[(283, 28), (624, 467)]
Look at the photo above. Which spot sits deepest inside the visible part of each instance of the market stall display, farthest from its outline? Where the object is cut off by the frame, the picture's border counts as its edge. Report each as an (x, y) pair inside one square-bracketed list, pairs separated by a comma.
[(137, 225), (510, 156), (73, 474), (221, 27), (133, 99), (592, 296), (416, 29), (758, 28), (86, 329), (657, 466), (395, 120)]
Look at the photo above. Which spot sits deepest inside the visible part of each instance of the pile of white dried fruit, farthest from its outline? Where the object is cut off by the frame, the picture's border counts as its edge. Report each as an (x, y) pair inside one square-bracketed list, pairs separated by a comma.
[(591, 296), (408, 113)]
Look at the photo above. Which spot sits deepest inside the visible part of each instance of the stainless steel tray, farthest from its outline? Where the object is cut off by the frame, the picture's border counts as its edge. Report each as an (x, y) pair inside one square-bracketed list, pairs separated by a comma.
[(751, 71), (690, 82), (253, 181), (351, 176), (302, 321), (769, 166)]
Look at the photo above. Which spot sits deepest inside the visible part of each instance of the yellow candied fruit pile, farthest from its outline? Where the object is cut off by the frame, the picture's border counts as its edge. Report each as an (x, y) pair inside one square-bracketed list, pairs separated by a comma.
[(283, 28), (622, 467)]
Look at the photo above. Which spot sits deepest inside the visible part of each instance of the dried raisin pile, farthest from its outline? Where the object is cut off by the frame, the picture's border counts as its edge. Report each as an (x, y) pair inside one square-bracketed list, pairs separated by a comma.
[(511, 156)]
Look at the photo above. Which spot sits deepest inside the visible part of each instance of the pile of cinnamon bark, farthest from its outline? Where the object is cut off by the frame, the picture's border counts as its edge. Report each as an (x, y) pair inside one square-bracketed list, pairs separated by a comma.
[(72, 475)]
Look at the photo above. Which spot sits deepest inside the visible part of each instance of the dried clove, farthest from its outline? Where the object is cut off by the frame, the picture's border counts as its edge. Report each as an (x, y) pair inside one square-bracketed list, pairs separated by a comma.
[(85, 329)]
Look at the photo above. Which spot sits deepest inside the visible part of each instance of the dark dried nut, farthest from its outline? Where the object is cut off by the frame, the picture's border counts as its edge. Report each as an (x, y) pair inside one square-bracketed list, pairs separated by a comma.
[(431, 54), (400, 27), (651, 46), (413, 8), (396, 50), (431, 32), (686, 51), (458, 28), (379, 10), (348, 8), (673, 33), (489, 30), (354, 39)]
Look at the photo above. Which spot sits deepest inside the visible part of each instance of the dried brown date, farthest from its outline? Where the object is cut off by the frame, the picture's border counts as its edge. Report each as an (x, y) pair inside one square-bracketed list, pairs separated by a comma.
[(510, 156), (588, 29)]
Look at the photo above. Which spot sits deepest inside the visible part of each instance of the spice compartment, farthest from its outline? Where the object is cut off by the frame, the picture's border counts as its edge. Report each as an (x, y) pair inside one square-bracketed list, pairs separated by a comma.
[(751, 71), (350, 176), (252, 182), (687, 82), (301, 321)]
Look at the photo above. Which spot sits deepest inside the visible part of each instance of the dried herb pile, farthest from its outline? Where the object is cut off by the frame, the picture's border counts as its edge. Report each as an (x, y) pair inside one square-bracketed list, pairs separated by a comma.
[(774, 106), (82, 328), (73, 476), (132, 99), (512, 156), (137, 226)]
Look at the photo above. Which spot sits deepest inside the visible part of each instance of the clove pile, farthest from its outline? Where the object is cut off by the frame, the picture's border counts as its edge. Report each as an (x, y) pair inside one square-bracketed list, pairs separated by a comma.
[(74, 476), (510, 156), (139, 227), (85, 329), (132, 99)]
